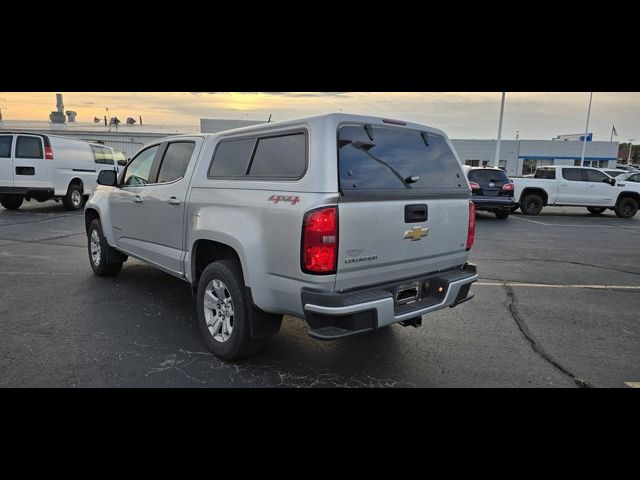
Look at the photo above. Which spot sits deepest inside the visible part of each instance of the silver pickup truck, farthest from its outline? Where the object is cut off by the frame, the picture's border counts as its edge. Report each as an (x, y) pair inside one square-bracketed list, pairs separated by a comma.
[(351, 222)]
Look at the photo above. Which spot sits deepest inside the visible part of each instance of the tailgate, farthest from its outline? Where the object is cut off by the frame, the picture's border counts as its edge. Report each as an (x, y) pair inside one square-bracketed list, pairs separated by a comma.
[(378, 245)]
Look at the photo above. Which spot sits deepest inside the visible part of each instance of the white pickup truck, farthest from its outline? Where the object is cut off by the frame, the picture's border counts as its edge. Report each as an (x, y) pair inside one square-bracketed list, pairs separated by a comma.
[(576, 186)]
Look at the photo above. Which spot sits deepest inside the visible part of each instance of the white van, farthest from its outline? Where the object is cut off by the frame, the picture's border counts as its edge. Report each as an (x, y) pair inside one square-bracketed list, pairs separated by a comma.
[(41, 167)]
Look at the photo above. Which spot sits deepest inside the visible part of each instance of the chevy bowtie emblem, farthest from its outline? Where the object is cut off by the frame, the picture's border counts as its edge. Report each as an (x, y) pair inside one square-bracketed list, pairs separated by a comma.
[(416, 233)]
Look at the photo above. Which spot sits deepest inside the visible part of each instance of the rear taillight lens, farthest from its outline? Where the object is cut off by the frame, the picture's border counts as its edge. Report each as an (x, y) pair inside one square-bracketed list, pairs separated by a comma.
[(471, 233), (320, 241), (474, 186), (508, 187), (48, 152)]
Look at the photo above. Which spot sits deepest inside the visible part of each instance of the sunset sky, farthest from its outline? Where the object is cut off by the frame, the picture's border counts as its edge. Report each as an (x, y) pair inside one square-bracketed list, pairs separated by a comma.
[(461, 115)]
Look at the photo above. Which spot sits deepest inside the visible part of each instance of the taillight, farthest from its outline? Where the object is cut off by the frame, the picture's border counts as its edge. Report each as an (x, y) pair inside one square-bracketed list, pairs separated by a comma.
[(48, 152), (508, 187), (320, 241), (474, 186), (471, 233)]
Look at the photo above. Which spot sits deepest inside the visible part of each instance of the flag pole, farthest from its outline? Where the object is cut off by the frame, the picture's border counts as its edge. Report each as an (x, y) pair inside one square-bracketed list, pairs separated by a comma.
[(611, 139), (496, 161), (584, 141)]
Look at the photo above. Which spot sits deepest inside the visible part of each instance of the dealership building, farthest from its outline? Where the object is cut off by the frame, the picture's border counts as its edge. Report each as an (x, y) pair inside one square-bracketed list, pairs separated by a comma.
[(521, 157)]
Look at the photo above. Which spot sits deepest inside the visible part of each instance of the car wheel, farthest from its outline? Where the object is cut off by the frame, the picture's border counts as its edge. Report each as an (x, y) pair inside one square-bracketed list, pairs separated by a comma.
[(11, 202), (98, 247), (74, 199), (531, 204), (596, 210), (626, 207), (223, 313), (503, 215)]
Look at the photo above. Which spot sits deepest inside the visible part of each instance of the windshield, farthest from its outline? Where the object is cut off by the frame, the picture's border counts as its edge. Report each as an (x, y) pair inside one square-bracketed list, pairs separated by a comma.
[(386, 158)]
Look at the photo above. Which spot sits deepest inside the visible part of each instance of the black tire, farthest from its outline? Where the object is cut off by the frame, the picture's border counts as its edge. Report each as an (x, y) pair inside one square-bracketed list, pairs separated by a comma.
[(515, 208), (503, 215), (99, 264), (74, 199), (596, 210), (11, 202), (531, 204), (239, 344), (626, 207)]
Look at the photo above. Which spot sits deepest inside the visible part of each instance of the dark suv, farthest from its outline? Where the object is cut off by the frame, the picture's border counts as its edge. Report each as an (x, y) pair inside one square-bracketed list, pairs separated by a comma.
[(492, 190)]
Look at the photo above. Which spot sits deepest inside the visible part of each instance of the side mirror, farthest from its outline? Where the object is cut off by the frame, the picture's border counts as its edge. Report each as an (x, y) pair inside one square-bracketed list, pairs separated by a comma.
[(108, 178), (612, 182), (122, 163)]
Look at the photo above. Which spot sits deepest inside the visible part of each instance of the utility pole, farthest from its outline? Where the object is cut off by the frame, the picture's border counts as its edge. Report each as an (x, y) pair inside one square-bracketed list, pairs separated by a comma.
[(586, 131), (496, 161)]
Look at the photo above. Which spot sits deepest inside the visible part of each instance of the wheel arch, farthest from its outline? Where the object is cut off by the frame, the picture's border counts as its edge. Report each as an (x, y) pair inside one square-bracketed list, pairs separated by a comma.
[(537, 191)]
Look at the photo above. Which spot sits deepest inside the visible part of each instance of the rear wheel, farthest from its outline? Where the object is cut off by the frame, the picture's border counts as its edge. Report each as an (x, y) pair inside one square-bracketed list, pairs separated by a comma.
[(531, 204), (503, 215), (74, 199), (11, 202), (222, 311), (626, 207), (596, 210), (98, 248)]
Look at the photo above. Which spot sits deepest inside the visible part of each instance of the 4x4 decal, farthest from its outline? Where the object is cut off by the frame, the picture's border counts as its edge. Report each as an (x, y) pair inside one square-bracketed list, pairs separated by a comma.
[(292, 199)]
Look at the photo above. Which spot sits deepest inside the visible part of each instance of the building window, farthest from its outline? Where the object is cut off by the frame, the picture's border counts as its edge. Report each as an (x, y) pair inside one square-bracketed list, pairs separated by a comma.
[(472, 163), (529, 165), (485, 163), (502, 164)]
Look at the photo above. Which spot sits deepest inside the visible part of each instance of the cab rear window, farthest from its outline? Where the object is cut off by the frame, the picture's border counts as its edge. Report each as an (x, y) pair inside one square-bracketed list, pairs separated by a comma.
[(395, 159), (547, 173)]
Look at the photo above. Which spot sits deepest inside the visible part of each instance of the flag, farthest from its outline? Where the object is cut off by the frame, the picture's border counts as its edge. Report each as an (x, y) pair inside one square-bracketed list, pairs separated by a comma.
[(614, 131)]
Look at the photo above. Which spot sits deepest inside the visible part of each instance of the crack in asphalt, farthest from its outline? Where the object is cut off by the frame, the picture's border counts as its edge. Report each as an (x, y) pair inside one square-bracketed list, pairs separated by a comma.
[(584, 264), (586, 287), (524, 329)]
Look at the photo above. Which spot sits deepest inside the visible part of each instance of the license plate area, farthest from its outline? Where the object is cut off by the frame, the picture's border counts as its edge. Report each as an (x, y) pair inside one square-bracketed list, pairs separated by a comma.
[(408, 293)]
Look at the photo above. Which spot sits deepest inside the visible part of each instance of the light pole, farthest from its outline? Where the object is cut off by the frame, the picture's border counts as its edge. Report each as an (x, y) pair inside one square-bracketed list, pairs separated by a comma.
[(630, 147), (586, 131), (496, 160)]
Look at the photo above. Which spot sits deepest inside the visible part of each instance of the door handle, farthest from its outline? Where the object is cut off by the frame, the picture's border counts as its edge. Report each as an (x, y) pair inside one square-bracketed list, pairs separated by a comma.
[(173, 201), (564, 184), (137, 199)]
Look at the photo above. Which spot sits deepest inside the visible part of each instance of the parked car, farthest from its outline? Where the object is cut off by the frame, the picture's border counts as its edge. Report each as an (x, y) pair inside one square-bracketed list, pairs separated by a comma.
[(628, 168), (41, 167), (351, 222), (614, 173), (576, 186), (491, 190), (629, 177)]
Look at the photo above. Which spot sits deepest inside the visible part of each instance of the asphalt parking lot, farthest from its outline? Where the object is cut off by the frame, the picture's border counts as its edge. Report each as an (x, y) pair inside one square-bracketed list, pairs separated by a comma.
[(557, 306)]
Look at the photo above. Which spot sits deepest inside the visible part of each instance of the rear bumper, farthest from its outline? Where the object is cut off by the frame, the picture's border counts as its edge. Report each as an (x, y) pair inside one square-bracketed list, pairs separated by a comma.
[(494, 204), (28, 192), (336, 315)]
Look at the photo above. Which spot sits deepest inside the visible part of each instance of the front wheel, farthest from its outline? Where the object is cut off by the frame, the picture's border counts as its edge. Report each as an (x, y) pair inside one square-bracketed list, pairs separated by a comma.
[(531, 204), (596, 210), (626, 207), (11, 202), (98, 247), (222, 312)]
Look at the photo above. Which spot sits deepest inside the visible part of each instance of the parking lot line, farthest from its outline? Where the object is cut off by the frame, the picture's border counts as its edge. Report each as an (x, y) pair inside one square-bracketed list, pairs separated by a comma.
[(632, 384), (636, 229), (552, 285)]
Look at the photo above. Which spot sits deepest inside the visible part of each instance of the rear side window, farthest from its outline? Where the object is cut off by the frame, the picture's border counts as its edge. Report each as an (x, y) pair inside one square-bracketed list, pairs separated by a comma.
[(547, 173), (175, 161), (595, 176), (634, 178), (375, 158), (29, 147), (488, 176), (232, 158), (102, 155), (5, 146), (281, 157), (572, 174)]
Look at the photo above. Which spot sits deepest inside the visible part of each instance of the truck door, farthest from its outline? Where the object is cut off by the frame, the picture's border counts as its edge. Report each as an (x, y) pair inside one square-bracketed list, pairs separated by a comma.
[(6, 163), (600, 190), (572, 190)]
